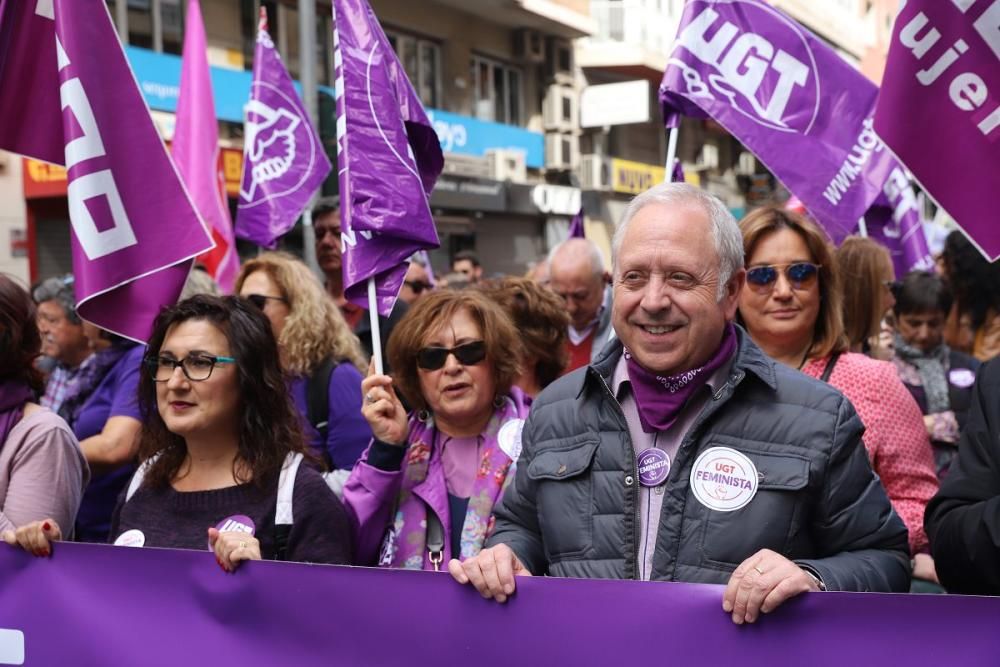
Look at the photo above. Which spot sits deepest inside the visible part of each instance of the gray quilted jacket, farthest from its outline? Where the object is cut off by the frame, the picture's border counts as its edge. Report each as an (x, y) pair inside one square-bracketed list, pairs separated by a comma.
[(572, 510)]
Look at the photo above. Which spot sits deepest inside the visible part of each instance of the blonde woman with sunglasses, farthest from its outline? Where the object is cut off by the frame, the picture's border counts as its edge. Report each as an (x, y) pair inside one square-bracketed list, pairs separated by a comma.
[(425, 489), (791, 307)]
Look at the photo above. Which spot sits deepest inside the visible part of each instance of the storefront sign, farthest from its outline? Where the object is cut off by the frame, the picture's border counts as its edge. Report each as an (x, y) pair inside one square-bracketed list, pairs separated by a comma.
[(634, 177), (615, 104), (469, 136), (469, 194)]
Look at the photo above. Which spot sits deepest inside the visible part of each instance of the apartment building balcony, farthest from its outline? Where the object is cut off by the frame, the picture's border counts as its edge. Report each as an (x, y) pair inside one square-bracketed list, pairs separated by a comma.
[(634, 37), (565, 18)]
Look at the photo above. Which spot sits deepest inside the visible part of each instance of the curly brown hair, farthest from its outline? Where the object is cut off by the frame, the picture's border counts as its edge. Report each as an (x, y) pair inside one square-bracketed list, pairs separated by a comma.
[(503, 345), (20, 340), (269, 423), (541, 320)]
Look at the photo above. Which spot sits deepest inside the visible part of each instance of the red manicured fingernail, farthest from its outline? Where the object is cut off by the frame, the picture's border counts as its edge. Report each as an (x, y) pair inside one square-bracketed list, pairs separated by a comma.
[(46, 526), (46, 553)]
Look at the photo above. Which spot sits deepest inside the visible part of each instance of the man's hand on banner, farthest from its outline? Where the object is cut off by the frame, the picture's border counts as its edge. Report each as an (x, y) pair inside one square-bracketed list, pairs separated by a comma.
[(36, 537), (233, 546), (492, 572), (762, 583)]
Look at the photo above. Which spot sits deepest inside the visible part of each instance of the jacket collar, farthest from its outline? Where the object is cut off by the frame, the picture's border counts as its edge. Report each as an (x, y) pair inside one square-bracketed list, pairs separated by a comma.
[(749, 359)]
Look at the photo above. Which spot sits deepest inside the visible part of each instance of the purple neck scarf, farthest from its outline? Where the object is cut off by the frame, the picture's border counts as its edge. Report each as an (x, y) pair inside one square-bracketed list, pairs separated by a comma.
[(660, 399), (13, 396)]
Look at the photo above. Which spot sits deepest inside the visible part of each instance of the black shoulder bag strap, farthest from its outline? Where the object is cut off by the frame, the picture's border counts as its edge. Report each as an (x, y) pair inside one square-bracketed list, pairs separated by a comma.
[(435, 539), (828, 371), (318, 398)]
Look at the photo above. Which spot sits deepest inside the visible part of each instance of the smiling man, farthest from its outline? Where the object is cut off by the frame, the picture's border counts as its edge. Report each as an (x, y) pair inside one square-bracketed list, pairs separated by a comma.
[(683, 453)]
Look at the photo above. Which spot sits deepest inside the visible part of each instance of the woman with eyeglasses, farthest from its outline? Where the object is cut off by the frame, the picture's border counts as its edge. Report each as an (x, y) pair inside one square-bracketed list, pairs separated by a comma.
[(321, 357), (791, 307), (425, 489), (222, 449)]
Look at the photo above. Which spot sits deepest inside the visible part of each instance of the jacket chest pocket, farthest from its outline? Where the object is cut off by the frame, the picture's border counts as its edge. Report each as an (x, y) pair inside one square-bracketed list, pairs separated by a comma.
[(564, 488), (773, 516)]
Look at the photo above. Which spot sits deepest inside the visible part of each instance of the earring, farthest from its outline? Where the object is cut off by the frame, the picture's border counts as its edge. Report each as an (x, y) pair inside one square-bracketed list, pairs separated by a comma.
[(424, 416), (498, 402)]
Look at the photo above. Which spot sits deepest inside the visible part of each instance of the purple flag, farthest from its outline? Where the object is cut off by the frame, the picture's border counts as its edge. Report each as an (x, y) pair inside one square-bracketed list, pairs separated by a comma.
[(172, 607), (283, 159), (389, 158), (939, 108), (786, 96), (677, 174), (895, 222), (576, 228), (134, 230)]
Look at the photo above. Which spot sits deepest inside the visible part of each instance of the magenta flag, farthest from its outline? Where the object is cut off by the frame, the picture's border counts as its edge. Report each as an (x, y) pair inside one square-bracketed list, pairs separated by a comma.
[(786, 96), (939, 108), (389, 159), (134, 228), (677, 173), (196, 150), (283, 158), (576, 228), (895, 222)]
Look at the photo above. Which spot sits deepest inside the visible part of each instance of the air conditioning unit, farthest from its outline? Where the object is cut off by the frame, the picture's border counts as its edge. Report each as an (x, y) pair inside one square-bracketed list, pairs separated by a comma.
[(746, 164), (595, 172), (562, 151), (507, 165), (708, 158), (559, 109), (529, 46), (559, 60)]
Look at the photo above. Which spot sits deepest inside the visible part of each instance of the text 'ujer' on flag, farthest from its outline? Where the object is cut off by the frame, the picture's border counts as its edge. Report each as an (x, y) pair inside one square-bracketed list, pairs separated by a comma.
[(389, 159), (786, 96), (283, 158), (134, 229)]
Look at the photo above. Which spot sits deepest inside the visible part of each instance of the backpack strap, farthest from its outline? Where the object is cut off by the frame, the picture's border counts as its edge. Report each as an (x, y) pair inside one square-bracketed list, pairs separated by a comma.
[(318, 397), (283, 514), (139, 475)]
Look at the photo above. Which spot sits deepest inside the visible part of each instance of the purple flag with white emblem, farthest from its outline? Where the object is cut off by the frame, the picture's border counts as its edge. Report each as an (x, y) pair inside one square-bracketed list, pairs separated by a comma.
[(895, 222), (283, 159), (389, 159), (786, 96), (939, 108), (134, 229)]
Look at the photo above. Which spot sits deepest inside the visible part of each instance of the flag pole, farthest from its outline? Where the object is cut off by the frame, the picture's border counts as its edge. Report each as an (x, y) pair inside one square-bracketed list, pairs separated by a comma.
[(376, 334), (862, 228), (310, 97), (671, 154)]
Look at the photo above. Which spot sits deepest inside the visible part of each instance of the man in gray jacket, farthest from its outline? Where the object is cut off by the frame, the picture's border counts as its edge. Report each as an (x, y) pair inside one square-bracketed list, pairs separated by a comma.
[(683, 453)]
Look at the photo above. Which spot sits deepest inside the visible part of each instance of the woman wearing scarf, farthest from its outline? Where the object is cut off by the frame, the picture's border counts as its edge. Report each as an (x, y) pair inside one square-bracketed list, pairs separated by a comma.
[(104, 415), (425, 489), (42, 471), (939, 377)]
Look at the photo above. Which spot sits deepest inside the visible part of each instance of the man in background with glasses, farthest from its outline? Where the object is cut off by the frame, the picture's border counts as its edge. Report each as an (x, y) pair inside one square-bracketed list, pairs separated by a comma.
[(62, 338), (417, 282), (577, 274), (683, 453)]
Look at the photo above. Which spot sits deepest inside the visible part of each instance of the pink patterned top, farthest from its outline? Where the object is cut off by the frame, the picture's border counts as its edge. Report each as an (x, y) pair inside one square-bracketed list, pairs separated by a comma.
[(895, 435)]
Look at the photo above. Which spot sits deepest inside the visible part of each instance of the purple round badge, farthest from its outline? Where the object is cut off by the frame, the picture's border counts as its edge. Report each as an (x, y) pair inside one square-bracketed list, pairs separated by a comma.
[(238, 522), (654, 466)]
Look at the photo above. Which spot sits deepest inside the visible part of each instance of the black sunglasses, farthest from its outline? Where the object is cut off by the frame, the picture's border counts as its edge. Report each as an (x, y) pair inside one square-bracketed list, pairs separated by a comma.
[(468, 354), (417, 286), (801, 276), (260, 300)]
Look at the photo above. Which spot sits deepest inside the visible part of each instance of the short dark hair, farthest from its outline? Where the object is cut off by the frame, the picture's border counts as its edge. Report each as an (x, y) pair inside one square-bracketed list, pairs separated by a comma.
[(20, 341), (325, 205), (269, 423), (922, 292), (467, 255)]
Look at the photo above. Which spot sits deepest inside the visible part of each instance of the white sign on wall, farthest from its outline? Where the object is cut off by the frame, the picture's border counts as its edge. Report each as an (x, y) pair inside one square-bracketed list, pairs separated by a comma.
[(615, 104)]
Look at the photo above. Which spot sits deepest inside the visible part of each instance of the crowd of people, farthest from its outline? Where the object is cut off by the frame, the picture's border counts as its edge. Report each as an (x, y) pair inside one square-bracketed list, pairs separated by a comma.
[(737, 403)]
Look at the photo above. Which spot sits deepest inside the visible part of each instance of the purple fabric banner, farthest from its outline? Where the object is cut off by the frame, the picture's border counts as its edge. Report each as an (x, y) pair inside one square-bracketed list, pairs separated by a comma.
[(677, 173), (133, 226), (283, 158), (576, 228), (895, 222), (389, 158), (100, 605), (787, 97), (939, 108)]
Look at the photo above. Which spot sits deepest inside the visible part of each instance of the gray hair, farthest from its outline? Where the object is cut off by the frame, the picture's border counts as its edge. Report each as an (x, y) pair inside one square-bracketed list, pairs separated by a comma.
[(419, 258), (725, 231), (60, 290), (593, 253)]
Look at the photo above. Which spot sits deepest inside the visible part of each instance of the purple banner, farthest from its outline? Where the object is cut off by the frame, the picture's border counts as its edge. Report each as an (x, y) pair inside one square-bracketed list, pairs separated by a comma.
[(283, 158), (785, 95), (133, 225), (576, 227), (939, 108), (389, 158), (895, 222), (100, 605)]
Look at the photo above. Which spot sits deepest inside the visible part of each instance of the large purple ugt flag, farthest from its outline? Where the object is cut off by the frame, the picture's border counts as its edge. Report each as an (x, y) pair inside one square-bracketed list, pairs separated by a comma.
[(134, 229), (939, 108), (389, 158), (283, 159), (786, 96)]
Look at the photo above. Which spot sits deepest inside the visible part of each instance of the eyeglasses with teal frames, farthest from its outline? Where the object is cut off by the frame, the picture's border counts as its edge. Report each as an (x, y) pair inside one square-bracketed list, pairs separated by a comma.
[(196, 367)]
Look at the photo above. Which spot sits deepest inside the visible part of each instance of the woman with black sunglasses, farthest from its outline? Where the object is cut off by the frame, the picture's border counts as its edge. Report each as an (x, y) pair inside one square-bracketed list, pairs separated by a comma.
[(791, 307), (425, 489)]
